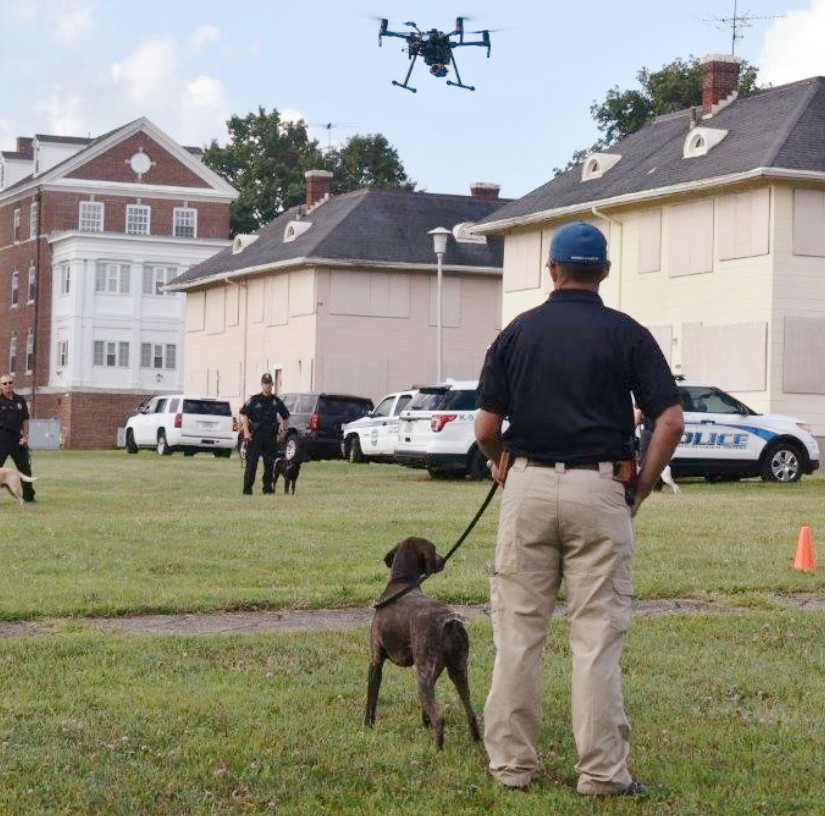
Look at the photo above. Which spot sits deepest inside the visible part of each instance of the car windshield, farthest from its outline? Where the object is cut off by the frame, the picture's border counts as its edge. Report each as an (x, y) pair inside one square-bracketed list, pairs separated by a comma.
[(706, 400), (344, 410), (208, 407), (427, 399)]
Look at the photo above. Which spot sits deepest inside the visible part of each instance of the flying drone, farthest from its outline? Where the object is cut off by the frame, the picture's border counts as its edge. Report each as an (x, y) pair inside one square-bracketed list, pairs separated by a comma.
[(435, 48)]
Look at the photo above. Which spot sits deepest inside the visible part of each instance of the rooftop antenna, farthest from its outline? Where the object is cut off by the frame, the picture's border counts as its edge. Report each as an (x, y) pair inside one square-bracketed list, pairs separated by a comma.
[(736, 23)]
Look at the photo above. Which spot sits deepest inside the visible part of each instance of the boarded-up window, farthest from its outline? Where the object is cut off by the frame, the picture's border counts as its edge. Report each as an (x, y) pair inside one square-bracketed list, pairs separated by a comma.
[(276, 289), (374, 294), (690, 238), (450, 302), (302, 292), (522, 261), (744, 224), (650, 241), (255, 303), (809, 223), (802, 368), (733, 356), (195, 311), (215, 310), (233, 300)]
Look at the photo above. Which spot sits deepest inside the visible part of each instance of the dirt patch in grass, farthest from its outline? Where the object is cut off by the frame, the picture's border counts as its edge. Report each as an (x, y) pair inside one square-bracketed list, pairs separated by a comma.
[(297, 620)]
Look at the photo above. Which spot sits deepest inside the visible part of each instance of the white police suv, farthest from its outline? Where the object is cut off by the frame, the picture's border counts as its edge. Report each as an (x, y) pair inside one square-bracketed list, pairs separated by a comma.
[(725, 440), (437, 431), (373, 437)]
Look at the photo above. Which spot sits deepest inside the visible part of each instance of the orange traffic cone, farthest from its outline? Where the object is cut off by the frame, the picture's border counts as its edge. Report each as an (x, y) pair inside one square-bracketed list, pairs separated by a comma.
[(804, 560)]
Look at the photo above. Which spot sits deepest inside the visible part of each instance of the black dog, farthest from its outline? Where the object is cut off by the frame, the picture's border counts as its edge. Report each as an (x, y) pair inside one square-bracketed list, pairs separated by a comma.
[(411, 628), (290, 469)]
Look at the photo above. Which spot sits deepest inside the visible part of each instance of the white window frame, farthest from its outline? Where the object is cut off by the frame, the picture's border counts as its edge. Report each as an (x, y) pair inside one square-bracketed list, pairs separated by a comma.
[(13, 354), (138, 219), (90, 216), (158, 356), (15, 288), (62, 353), (185, 219), (30, 351), (15, 226), (32, 290), (34, 215), (65, 278), (110, 353), (112, 278), (155, 277)]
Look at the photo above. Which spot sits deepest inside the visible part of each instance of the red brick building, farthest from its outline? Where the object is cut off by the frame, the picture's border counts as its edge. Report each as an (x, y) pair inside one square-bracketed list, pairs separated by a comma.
[(91, 230)]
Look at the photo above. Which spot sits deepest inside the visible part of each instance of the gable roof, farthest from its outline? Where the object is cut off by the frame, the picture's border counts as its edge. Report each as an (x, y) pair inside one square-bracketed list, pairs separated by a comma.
[(386, 228), (105, 142), (770, 132)]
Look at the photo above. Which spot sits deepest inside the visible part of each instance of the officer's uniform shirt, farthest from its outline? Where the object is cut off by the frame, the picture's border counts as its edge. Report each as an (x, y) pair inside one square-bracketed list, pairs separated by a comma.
[(562, 374), (264, 412), (13, 413)]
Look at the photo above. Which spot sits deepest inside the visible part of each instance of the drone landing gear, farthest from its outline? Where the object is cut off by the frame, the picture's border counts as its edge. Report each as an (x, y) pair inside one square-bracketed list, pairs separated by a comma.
[(459, 84), (404, 84)]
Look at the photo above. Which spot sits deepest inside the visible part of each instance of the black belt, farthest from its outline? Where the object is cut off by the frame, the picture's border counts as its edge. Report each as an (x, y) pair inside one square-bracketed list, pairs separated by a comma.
[(566, 465)]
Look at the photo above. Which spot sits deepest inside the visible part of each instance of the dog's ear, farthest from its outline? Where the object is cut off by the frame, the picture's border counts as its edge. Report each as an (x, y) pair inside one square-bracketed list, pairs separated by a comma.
[(390, 556), (433, 562)]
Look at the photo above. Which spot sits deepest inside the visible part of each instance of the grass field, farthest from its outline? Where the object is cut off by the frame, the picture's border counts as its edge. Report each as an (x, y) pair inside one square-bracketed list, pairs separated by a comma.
[(726, 707)]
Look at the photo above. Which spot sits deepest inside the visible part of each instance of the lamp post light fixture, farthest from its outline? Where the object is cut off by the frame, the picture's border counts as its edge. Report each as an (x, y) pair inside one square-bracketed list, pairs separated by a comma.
[(439, 247)]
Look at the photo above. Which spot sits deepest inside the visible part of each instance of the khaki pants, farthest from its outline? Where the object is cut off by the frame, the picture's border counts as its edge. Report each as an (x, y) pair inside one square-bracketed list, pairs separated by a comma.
[(555, 523)]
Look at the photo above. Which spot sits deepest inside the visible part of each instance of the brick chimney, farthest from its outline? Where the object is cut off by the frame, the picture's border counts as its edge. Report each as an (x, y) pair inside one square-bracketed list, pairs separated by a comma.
[(319, 184), (720, 81), (484, 192), (25, 147)]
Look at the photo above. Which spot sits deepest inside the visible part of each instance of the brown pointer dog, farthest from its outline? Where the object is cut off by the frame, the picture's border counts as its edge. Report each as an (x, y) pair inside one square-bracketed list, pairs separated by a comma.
[(415, 629), (12, 479)]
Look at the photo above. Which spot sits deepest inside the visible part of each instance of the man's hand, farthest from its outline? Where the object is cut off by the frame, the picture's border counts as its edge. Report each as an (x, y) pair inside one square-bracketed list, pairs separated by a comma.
[(666, 435)]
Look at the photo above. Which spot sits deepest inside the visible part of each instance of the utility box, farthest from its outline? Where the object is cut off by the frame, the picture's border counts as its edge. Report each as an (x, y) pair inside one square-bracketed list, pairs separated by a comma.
[(44, 434)]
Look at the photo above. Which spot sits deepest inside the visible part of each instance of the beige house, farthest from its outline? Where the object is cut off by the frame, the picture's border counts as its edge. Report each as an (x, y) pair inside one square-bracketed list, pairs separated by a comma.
[(340, 295), (716, 225)]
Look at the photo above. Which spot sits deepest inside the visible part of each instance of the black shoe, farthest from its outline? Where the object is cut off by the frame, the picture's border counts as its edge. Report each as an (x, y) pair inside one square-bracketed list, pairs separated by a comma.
[(634, 788), (268, 492), (29, 499), (247, 491)]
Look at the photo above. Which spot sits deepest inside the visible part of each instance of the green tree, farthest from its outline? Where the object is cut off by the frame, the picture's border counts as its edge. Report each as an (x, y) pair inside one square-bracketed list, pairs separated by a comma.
[(367, 161), (674, 87), (266, 158)]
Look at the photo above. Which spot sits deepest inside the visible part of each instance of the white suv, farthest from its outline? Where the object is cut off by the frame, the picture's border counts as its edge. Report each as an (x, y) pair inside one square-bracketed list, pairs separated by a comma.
[(437, 431), (724, 439), (373, 437), (181, 422)]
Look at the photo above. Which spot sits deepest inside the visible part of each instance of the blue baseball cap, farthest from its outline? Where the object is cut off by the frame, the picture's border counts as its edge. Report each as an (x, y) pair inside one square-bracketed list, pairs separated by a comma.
[(578, 243)]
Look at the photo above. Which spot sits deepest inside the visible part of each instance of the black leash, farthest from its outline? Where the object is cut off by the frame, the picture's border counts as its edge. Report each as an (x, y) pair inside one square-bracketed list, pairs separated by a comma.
[(426, 575)]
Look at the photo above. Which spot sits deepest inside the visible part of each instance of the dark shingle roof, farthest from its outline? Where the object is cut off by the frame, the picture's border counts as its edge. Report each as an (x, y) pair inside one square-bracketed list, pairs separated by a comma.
[(782, 127), (366, 226)]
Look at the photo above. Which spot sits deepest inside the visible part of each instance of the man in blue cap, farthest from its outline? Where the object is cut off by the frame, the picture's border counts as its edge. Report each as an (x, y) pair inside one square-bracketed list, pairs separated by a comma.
[(565, 374)]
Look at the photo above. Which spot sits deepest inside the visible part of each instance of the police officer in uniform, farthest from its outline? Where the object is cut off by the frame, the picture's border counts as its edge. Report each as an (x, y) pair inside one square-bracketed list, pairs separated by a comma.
[(565, 374), (14, 431), (265, 420)]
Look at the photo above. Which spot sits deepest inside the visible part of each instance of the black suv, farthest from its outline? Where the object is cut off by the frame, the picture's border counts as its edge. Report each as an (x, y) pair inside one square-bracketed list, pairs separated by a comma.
[(315, 421)]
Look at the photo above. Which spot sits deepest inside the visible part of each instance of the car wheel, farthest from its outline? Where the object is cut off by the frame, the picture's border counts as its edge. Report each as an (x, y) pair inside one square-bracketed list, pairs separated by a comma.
[(292, 448), (781, 463), (223, 453), (477, 466), (354, 448), (131, 446), (163, 445)]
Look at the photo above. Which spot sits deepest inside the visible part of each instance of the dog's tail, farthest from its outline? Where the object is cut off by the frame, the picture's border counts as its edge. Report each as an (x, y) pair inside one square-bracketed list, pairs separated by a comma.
[(28, 478)]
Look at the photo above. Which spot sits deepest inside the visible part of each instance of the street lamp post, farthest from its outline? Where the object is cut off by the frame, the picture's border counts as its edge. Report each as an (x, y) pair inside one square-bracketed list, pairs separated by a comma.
[(439, 247)]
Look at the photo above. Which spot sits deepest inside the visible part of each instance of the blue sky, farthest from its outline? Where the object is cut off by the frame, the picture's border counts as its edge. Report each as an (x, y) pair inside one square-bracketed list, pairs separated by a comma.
[(82, 67)]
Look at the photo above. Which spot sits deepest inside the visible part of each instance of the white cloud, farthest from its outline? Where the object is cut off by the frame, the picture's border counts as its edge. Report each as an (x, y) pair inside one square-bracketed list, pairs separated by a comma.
[(150, 70), (66, 22), (201, 37), (792, 47)]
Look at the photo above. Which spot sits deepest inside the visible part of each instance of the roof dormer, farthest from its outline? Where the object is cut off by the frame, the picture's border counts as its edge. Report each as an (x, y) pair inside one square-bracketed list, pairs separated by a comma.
[(597, 164), (295, 228), (700, 140), (242, 241)]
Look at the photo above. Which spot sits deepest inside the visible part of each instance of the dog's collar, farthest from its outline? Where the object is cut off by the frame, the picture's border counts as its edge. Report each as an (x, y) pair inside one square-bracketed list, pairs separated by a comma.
[(381, 602)]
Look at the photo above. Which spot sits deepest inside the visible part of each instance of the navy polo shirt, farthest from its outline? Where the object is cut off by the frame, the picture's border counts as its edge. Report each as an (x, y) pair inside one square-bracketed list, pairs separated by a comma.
[(565, 374)]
